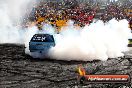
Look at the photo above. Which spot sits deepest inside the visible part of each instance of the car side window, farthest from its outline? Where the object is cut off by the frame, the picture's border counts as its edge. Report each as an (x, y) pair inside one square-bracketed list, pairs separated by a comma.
[(49, 39)]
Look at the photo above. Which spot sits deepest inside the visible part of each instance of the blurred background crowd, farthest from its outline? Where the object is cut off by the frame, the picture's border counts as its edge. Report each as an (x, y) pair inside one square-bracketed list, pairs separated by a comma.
[(82, 12)]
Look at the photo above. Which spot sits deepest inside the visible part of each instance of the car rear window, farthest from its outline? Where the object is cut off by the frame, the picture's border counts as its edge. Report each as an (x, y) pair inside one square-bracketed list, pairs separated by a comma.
[(42, 38)]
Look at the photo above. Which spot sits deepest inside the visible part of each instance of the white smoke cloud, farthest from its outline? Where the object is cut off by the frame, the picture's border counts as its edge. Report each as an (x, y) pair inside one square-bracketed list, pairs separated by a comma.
[(11, 13), (15, 9), (96, 41)]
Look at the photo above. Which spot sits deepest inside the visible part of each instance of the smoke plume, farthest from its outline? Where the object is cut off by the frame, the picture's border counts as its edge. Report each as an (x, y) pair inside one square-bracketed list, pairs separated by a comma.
[(95, 41), (11, 15)]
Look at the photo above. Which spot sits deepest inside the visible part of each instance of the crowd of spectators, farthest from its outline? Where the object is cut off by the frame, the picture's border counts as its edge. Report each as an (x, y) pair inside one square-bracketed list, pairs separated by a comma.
[(58, 13), (115, 11)]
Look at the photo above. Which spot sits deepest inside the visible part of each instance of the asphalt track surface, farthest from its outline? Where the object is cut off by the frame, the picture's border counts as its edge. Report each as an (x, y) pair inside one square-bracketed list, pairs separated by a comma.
[(18, 70)]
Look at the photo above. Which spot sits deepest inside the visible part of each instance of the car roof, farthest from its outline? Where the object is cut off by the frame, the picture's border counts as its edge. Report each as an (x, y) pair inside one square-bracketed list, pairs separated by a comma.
[(43, 35)]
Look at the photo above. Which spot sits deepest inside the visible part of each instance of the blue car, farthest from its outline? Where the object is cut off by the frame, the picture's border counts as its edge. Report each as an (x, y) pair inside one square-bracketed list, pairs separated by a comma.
[(41, 43)]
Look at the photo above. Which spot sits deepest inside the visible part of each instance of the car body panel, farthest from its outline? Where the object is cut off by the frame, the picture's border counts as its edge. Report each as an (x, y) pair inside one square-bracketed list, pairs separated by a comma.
[(41, 43)]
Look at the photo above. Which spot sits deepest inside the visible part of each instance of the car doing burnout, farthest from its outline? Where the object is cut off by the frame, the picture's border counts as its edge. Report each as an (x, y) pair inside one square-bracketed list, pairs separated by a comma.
[(41, 43)]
